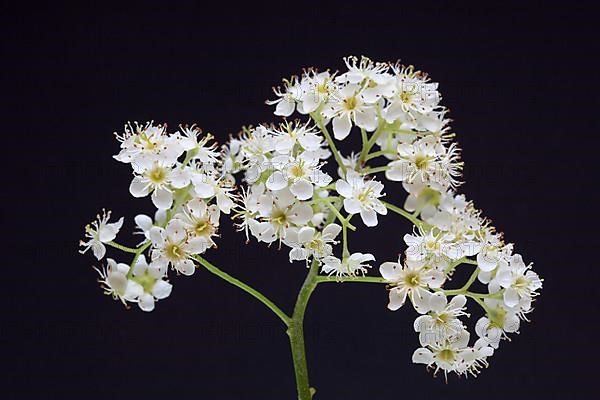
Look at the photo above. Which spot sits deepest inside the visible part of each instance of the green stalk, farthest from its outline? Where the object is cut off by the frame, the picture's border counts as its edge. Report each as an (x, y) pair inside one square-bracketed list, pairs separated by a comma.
[(296, 334), (246, 288)]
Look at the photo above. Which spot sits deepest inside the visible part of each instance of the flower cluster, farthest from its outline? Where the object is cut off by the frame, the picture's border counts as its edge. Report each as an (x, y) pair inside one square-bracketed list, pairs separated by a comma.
[(184, 177), (292, 196), (402, 123), (287, 191)]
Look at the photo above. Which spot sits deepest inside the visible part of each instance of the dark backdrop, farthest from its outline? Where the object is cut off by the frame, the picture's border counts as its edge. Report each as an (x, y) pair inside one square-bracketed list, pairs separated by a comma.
[(520, 82)]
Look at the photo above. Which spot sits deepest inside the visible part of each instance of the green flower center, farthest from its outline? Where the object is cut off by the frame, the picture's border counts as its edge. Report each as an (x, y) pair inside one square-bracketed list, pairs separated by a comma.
[(174, 251), (412, 279), (446, 355), (157, 175), (350, 103), (146, 280)]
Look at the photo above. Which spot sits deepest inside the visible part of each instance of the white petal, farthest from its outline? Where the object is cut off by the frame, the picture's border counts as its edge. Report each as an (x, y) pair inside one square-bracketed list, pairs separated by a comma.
[(341, 127), (422, 356), (186, 267), (366, 119), (302, 189), (343, 188), (397, 298), (285, 108), (352, 206), (162, 289), (157, 236), (305, 234), (437, 302), (511, 297), (331, 231), (180, 178), (139, 187), (301, 214), (176, 230), (390, 271), (144, 222), (277, 181), (162, 198), (369, 217), (146, 302)]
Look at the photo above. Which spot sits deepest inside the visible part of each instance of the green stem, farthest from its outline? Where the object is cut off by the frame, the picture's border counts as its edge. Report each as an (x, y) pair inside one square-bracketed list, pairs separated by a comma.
[(122, 248), (138, 252), (379, 153), (336, 212), (334, 150), (296, 334), (346, 222), (357, 279), (371, 142), (375, 170), (416, 221), (365, 140), (253, 292)]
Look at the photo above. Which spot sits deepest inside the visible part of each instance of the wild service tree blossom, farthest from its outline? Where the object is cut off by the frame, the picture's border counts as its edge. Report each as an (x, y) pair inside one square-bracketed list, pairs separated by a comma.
[(282, 186)]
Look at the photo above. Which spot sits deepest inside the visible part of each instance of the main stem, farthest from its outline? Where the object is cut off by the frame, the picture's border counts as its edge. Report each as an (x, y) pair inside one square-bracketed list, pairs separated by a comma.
[(296, 334)]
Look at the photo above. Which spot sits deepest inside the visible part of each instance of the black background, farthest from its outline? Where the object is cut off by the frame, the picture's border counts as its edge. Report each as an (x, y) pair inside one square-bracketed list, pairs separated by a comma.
[(521, 84)]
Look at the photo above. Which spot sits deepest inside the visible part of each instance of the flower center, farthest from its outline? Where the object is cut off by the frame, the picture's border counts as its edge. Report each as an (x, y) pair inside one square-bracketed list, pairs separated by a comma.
[(157, 175), (174, 251), (497, 317), (421, 161), (297, 171), (146, 280), (406, 97), (279, 217), (202, 228), (443, 318), (350, 103), (446, 355), (521, 283), (412, 279)]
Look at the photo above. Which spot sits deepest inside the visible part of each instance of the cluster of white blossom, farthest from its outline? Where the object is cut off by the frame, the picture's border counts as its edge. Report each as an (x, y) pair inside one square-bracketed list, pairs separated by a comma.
[(401, 121), (287, 199), (189, 196), (290, 198)]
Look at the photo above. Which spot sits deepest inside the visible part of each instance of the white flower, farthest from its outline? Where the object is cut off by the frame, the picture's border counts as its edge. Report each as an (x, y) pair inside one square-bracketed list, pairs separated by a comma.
[(347, 106), (374, 76), (316, 88), (145, 146), (150, 278), (308, 241), (498, 321), (171, 246), (413, 95), (200, 220), (412, 279), (426, 160), (207, 186), (442, 320), (160, 180), (114, 281), (362, 197), (519, 282), (278, 211), (351, 266), (198, 150), (286, 102), (454, 355), (300, 175), (432, 248), (100, 232), (289, 134)]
